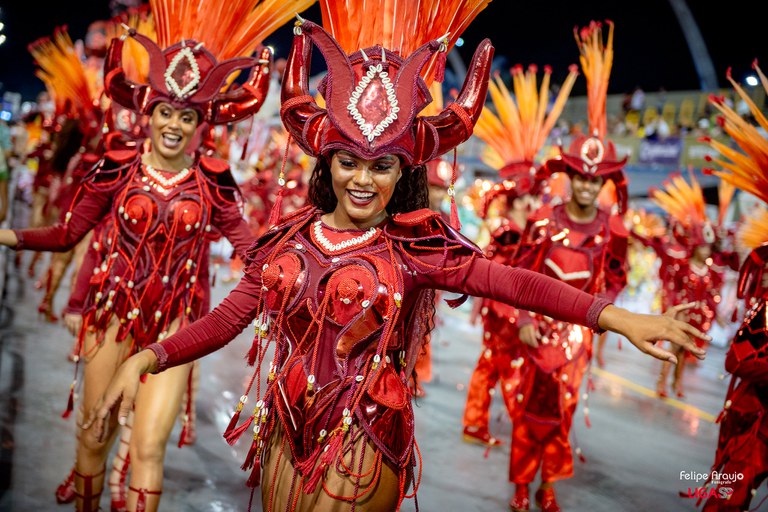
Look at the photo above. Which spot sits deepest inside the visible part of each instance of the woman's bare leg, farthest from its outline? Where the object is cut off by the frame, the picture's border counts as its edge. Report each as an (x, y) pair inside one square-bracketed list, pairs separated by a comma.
[(155, 412), (100, 365)]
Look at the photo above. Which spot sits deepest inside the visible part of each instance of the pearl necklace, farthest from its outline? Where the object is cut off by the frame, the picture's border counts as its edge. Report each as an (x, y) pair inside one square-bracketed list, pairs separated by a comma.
[(161, 183), (331, 247)]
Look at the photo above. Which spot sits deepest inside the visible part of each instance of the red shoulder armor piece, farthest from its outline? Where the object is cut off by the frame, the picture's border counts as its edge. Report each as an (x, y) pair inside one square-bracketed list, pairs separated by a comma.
[(213, 165), (415, 218), (121, 156), (425, 227)]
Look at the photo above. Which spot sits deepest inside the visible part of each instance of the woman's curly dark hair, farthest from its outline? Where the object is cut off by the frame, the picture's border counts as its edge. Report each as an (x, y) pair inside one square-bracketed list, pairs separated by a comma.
[(411, 191)]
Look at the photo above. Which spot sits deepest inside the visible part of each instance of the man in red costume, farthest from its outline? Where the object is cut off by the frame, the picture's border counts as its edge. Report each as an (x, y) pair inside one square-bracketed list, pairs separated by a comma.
[(513, 141), (584, 246)]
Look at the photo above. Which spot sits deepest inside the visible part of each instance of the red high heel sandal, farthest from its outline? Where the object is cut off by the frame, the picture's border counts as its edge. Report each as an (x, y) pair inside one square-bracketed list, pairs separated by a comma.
[(65, 492)]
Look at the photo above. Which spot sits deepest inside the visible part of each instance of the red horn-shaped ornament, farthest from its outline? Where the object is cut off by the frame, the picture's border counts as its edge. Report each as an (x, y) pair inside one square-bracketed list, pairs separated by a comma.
[(241, 102), (441, 133), (302, 117), (157, 64), (117, 86)]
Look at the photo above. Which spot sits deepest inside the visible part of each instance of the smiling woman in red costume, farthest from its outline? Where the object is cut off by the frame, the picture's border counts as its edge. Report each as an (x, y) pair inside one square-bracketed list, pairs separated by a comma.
[(164, 205), (342, 290)]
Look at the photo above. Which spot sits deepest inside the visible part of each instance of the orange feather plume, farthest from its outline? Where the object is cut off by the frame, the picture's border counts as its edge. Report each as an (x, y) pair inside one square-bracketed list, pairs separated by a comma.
[(521, 124), (72, 85), (753, 232), (596, 62), (227, 29), (725, 191), (682, 201), (400, 26), (746, 169), (646, 224)]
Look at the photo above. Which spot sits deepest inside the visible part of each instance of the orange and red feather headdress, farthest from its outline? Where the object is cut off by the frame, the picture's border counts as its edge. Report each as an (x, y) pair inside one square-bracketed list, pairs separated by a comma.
[(194, 58)]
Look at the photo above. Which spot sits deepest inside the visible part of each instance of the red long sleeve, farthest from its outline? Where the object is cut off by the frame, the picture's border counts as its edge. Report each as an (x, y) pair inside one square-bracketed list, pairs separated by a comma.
[(515, 286), (214, 330), (62, 237), (234, 227), (459, 272)]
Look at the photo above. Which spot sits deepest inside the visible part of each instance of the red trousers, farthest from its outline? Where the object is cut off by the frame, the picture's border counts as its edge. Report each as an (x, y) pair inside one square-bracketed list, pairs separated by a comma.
[(540, 431), (501, 361)]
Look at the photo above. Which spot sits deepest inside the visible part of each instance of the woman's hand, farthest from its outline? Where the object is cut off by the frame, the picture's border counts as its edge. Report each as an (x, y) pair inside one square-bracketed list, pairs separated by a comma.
[(643, 331), (124, 384), (73, 322), (529, 335), (8, 238)]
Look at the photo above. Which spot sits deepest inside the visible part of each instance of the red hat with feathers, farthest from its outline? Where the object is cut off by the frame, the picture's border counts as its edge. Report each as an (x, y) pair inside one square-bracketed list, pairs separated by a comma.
[(381, 61), (594, 155)]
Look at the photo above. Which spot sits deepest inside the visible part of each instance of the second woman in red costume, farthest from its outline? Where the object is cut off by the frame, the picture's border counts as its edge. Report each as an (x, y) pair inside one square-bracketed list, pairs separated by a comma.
[(164, 207)]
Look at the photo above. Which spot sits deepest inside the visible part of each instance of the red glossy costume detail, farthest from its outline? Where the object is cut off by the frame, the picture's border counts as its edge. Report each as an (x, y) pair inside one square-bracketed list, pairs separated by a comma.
[(354, 321), (588, 256), (743, 441)]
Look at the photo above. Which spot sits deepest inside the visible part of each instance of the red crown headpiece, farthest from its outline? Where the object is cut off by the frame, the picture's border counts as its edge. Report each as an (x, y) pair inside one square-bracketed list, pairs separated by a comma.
[(373, 98), (186, 75)]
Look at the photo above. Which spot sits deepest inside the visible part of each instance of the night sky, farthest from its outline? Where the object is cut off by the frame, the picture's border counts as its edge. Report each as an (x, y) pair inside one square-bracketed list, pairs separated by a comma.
[(650, 50)]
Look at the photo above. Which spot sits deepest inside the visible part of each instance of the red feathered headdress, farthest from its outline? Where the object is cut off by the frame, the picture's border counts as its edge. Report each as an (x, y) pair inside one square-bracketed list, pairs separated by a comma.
[(192, 63), (594, 155)]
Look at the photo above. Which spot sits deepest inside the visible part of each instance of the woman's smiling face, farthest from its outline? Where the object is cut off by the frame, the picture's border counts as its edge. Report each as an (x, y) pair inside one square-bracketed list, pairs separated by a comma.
[(172, 130), (363, 187)]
